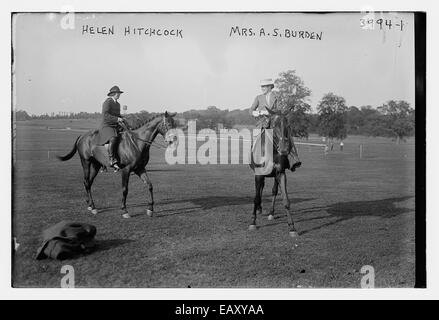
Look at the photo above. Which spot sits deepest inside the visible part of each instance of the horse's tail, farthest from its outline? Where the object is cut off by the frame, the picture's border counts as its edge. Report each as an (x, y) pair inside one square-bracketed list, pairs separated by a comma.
[(71, 153)]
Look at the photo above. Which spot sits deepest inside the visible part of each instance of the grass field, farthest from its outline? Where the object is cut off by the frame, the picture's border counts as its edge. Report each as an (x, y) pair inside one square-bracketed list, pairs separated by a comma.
[(350, 212)]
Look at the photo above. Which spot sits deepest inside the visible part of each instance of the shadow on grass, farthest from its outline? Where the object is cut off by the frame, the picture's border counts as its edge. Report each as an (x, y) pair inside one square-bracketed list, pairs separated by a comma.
[(210, 202), (203, 203), (342, 211), (172, 212), (168, 212), (163, 170), (104, 245)]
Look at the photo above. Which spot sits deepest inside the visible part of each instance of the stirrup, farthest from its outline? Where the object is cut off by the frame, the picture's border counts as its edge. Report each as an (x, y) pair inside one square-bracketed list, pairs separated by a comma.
[(114, 164), (295, 165)]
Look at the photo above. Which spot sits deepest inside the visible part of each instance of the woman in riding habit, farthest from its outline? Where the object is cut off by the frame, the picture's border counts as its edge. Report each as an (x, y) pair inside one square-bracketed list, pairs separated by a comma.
[(110, 125), (259, 110)]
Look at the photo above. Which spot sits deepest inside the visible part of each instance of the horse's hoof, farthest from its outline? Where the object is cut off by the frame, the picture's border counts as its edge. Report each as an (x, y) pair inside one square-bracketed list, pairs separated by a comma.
[(294, 234), (89, 208), (149, 213), (94, 211), (252, 227), (126, 216), (270, 217)]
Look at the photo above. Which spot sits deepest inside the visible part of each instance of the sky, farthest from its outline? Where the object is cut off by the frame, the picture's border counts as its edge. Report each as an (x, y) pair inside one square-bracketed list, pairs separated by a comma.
[(59, 67)]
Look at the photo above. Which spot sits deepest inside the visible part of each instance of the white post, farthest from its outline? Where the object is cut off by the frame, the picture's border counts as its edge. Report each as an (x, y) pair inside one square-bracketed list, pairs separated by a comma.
[(361, 151)]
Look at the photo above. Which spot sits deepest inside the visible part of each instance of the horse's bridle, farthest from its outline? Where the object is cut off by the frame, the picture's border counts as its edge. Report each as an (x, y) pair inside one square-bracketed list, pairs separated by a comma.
[(281, 136), (165, 125), (150, 142)]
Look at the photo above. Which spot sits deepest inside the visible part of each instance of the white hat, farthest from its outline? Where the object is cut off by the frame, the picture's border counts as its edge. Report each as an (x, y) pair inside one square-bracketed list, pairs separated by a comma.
[(267, 82)]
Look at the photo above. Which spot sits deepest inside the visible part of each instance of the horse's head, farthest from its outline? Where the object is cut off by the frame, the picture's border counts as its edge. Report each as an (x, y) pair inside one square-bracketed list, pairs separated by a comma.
[(166, 128), (281, 131)]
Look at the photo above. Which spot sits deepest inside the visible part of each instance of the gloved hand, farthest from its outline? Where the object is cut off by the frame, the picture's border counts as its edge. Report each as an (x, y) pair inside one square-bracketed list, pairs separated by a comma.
[(257, 113)]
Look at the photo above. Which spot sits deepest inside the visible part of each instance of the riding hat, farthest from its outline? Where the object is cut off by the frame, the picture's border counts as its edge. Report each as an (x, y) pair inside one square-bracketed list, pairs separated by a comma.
[(114, 89), (267, 82)]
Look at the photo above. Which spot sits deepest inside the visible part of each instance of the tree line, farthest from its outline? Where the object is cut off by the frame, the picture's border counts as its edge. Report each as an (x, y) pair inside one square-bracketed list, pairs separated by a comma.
[(333, 120)]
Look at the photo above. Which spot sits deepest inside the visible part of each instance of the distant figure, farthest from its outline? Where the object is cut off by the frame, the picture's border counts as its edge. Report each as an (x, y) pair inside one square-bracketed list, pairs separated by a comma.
[(268, 99), (341, 145), (110, 125)]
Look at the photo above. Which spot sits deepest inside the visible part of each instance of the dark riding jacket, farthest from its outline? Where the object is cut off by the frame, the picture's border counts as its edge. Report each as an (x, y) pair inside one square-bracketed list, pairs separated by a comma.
[(109, 124)]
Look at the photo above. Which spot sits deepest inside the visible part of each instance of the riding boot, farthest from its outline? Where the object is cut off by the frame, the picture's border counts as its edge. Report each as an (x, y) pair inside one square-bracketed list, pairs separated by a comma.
[(112, 145), (293, 157)]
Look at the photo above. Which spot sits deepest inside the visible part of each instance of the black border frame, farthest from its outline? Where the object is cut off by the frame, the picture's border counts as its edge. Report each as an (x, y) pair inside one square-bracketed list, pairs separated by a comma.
[(420, 147)]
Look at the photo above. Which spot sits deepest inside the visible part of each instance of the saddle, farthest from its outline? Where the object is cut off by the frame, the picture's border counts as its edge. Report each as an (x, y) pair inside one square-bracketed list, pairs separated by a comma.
[(261, 154), (100, 152)]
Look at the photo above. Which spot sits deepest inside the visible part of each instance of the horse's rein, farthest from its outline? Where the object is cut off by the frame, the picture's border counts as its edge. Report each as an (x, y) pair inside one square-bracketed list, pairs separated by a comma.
[(149, 142), (280, 136)]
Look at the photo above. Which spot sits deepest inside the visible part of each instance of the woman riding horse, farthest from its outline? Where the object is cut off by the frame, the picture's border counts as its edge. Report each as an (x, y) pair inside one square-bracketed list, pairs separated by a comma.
[(133, 151), (284, 153)]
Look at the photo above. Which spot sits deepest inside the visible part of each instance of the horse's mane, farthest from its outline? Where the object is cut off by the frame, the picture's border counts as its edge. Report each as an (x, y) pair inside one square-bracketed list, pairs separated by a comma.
[(136, 120)]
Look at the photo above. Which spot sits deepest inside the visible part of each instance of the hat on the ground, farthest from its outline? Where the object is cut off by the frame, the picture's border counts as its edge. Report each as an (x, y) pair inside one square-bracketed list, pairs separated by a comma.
[(114, 89), (267, 82), (66, 239)]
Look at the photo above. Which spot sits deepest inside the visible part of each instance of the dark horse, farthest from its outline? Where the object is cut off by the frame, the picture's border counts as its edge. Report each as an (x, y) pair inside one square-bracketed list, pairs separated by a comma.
[(133, 151), (281, 148)]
